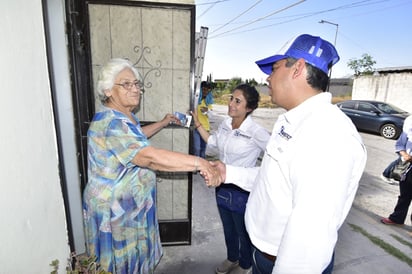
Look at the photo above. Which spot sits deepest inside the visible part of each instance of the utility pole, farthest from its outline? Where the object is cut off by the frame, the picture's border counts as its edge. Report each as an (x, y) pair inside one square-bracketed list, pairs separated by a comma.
[(336, 36), (336, 25)]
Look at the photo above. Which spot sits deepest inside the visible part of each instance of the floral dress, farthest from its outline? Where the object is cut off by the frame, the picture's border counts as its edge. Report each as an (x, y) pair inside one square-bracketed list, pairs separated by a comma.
[(119, 201)]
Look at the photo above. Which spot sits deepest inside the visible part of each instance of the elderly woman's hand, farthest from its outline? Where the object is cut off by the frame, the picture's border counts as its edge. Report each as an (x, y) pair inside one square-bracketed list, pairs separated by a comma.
[(170, 119)]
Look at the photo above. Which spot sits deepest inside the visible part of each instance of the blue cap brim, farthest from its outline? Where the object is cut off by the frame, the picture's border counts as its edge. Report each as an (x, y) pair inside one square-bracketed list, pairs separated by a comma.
[(266, 65)]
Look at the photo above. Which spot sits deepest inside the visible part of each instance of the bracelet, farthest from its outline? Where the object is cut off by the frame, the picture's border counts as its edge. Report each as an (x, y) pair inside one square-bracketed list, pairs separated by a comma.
[(198, 126), (196, 163)]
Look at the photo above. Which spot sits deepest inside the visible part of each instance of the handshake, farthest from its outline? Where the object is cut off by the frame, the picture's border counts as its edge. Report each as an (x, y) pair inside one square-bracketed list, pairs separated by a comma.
[(214, 173)]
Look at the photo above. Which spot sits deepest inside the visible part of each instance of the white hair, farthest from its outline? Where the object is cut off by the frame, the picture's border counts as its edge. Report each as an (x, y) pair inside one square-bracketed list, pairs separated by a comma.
[(109, 72)]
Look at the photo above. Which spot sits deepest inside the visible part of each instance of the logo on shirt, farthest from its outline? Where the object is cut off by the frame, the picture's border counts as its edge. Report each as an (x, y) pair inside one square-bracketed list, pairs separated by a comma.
[(239, 134), (283, 134)]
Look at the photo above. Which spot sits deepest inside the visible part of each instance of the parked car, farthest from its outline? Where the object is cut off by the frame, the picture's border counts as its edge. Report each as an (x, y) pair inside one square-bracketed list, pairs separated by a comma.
[(375, 116)]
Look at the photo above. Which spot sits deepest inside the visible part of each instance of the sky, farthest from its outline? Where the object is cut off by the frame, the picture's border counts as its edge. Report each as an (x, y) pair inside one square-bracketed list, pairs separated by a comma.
[(243, 31)]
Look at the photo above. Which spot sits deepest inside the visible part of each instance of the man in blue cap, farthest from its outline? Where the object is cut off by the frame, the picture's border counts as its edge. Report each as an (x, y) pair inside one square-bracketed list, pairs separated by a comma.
[(302, 193)]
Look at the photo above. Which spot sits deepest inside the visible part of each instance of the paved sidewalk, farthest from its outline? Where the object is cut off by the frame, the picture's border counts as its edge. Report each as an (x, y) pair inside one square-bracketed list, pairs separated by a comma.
[(355, 253), (208, 248)]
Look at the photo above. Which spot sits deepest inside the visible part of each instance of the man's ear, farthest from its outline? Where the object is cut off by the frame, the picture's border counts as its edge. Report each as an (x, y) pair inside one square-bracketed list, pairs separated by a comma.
[(299, 66)]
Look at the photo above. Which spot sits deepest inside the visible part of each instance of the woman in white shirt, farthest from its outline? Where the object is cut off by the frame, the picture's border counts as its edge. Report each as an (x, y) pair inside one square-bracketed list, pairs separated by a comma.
[(240, 141)]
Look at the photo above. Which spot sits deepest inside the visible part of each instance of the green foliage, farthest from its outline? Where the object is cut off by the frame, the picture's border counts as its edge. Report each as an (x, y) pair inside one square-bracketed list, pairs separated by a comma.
[(79, 264), (362, 66), (234, 82), (221, 90), (55, 265), (219, 86), (252, 82)]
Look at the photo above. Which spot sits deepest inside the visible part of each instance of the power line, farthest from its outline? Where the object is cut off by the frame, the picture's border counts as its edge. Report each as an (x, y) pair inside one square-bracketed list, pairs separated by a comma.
[(214, 2), (296, 17), (236, 17), (206, 10), (212, 5), (261, 18), (347, 6), (384, 8)]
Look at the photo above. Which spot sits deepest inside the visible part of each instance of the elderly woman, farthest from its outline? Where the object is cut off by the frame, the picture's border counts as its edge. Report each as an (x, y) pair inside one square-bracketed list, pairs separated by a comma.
[(119, 200)]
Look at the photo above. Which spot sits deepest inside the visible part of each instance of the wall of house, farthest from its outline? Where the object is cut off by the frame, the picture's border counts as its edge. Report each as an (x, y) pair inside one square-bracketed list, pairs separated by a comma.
[(340, 87), (32, 210), (393, 88)]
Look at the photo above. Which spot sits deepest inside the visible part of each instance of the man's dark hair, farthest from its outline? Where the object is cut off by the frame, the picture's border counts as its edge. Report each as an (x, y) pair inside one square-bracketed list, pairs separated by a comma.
[(316, 78)]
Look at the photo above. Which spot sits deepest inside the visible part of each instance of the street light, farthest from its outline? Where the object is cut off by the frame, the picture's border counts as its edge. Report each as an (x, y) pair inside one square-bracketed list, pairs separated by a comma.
[(336, 36), (336, 25)]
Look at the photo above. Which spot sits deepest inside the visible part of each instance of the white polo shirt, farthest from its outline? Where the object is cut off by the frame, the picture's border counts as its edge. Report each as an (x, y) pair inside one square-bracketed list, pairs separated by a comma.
[(305, 186), (242, 146)]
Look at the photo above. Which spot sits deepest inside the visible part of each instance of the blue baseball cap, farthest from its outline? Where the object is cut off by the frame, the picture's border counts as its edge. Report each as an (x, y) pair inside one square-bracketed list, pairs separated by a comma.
[(316, 51)]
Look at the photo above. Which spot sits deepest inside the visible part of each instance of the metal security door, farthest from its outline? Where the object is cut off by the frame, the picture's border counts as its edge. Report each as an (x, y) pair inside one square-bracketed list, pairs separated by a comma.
[(159, 40)]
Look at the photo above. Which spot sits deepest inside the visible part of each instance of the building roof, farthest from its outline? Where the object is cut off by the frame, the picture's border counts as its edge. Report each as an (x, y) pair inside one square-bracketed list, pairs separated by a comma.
[(395, 69)]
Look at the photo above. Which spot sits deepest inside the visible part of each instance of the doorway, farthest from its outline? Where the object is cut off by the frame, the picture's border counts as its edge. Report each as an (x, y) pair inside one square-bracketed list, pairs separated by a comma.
[(158, 38)]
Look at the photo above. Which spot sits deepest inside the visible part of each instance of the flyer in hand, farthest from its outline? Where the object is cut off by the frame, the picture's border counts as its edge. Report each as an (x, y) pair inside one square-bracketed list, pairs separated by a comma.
[(184, 118)]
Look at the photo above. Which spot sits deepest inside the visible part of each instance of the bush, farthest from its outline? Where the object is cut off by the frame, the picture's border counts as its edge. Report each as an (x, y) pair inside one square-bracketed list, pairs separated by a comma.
[(79, 264)]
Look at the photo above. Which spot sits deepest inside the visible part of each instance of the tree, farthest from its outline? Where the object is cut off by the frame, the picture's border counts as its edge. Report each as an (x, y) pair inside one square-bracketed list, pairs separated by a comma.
[(219, 86), (362, 66), (234, 82), (252, 82)]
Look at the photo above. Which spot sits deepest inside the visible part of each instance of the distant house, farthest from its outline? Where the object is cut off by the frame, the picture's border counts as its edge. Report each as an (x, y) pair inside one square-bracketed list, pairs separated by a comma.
[(392, 85), (341, 86), (223, 81)]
